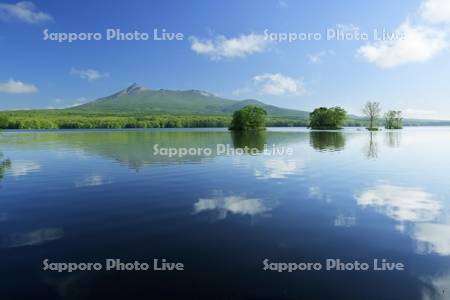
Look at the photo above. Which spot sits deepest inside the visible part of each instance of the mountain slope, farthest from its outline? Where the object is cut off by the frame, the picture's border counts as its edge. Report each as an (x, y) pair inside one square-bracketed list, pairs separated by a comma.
[(136, 99)]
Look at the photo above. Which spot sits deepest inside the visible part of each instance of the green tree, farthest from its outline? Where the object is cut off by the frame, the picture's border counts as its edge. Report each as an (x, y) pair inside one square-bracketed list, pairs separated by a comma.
[(393, 119), (250, 117), (4, 122), (372, 110), (327, 118)]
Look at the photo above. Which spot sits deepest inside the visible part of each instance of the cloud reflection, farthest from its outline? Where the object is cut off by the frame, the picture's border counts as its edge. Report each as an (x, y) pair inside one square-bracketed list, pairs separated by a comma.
[(430, 228), (22, 168), (432, 238), (344, 221), (31, 238), (401, 203), (238, 205), (276, 169), (436, 288), (94, 180)]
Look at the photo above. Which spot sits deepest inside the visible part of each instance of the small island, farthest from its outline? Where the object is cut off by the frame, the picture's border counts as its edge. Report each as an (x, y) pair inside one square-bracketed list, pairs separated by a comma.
[(323, 118), (250, 117)]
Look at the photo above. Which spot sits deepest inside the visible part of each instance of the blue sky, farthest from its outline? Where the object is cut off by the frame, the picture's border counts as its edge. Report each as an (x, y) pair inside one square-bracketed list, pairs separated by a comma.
[(225, 51)]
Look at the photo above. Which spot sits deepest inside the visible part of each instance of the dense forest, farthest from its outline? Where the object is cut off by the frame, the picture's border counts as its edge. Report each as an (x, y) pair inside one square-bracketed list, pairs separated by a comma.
[(74, 120)]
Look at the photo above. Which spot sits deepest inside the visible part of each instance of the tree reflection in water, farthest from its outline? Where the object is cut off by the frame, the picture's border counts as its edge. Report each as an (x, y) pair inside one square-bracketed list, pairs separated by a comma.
[(256, 139), (371, 148), (393, 139), (327, 140), (4, 165)]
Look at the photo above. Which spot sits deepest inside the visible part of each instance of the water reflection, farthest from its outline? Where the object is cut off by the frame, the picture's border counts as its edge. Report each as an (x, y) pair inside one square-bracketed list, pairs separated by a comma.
[(315, 214), (436, 287), (432, 238), (393, 139), (35, 237), (342, 220), (249, 139), (136, 149), (92, 180), (5, 164), (234, 204), (132, 148), (401, 203), (276, 169), (314, 192), (421, 215), (327, 140), (24, 167), (371, 148)]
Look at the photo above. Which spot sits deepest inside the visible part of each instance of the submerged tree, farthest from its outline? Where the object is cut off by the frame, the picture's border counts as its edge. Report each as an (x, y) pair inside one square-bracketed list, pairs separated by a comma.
[(250, 117), (393, 119), (327, 118), (372, 110)]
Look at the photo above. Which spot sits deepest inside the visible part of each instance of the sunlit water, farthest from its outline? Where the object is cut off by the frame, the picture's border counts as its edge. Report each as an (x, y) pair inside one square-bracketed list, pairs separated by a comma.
[(85, 196)]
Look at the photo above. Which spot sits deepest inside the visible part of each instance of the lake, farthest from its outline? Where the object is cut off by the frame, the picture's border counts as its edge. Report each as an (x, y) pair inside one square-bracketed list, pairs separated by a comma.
[(232, 218)]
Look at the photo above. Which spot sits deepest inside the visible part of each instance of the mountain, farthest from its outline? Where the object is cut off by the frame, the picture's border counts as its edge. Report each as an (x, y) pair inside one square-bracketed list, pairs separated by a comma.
[(137, 99)]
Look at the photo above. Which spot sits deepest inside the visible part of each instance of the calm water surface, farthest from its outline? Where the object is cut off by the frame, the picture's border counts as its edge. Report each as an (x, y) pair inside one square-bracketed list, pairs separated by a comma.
[(85, 196)]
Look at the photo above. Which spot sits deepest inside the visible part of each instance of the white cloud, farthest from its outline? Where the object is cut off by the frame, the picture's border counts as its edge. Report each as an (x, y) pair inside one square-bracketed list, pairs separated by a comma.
[(420, 44), (89, 74), (221, 47), (278, 84), (316, 58), (422, 39), (23, 11), (435, 11), (17, 87)]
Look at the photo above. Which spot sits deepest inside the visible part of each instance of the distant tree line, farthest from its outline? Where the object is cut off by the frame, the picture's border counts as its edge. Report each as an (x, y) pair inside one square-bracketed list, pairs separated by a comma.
[(52, 120), (86, 122), (320, 118)]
